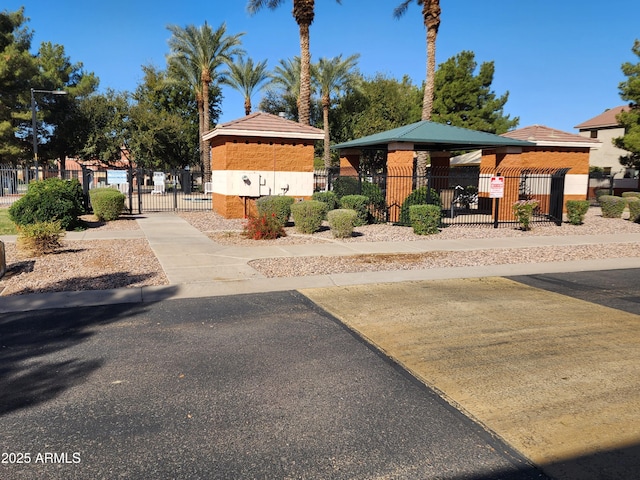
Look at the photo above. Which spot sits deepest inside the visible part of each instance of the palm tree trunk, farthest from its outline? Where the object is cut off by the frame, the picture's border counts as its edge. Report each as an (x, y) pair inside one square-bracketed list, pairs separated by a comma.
[(427, 102), (204, 150), (304, 115), (247, 106), (325, 121), (201, 142)]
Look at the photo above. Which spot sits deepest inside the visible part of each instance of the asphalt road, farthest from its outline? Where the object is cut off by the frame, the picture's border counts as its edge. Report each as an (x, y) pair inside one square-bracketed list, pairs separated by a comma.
[(252, 386)]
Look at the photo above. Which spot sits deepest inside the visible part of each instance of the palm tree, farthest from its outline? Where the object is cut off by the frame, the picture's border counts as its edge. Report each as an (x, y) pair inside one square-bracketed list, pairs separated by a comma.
[(303, 12), (196, 54), (286, 76), (332, 76), (246, 77), (431, 15)]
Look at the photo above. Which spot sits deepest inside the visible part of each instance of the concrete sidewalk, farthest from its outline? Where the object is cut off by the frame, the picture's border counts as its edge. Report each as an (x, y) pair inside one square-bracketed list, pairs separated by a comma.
[(198, 267)]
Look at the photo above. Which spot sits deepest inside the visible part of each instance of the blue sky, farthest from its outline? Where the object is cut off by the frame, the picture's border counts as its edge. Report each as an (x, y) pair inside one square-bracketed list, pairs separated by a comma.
[(559, 59)]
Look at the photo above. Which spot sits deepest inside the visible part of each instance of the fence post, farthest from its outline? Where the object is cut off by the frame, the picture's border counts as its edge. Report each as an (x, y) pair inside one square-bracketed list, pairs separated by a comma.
[(130, 192), (140, 177), (496, 211), (86, 180)]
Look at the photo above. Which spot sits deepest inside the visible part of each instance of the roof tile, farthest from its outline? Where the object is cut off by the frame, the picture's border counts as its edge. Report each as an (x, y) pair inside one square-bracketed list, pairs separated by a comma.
[(261, 122), (605, 119), (540, 134)]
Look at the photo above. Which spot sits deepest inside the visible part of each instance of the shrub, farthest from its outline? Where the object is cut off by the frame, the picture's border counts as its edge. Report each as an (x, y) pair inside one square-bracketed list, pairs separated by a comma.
[(628, 195), (326, 197), (341, 222), (50, 200), (576, 210), (420, 196), (634, 209), (360, 204), (39, 238), (263, 227), (308, 215), (600, 192), (107, 203), (343, 186), (425, 219), (612, 206), (523, 211), (279, 205)]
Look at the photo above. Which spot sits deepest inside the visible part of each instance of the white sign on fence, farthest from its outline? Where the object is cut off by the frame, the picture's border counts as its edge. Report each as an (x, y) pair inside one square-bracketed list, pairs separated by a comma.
[(496, 187), (116, 177)]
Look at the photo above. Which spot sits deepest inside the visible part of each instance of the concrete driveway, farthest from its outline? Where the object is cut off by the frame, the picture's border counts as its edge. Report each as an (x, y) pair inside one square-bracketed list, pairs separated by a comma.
[(556, 377)]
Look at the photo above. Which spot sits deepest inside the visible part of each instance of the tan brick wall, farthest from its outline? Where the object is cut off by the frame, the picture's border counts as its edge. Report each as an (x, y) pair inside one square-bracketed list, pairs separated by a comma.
[(349, 165), (262, 154), (577, 159), (399, 162)]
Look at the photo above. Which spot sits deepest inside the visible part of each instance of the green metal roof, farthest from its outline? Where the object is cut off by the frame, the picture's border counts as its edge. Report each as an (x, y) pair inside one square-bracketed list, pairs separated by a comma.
[(425, 135)]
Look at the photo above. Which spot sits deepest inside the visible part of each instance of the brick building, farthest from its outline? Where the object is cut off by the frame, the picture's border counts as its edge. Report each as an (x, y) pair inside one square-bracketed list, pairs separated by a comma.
[(257, 155)]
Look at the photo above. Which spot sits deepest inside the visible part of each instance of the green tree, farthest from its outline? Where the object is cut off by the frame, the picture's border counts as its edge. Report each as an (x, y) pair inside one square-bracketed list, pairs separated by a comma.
[(246, 78), (163, 128), (630, 120), (303, 12), (105, 126), (464, 97), (333, 76), (196, 55), (17, 69), (378, 104), (62, 114)]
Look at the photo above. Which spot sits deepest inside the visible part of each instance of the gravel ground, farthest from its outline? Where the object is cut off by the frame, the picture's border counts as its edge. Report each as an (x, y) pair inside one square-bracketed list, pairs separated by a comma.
[(103, 264)]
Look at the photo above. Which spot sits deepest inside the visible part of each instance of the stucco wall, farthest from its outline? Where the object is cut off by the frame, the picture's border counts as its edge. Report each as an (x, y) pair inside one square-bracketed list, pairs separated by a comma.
[(245, 169)]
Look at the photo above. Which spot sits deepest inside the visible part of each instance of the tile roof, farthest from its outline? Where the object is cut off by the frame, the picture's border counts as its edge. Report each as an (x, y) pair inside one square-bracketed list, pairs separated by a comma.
[(605, 119), (261, 124), (546, 136)]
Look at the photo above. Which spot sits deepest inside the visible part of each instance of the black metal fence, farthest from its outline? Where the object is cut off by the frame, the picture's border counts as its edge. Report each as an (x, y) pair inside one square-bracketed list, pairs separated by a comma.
[(146, 190), (464, 193)]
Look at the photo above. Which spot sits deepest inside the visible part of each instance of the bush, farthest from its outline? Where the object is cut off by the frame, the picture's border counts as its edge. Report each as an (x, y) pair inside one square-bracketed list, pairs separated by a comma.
[(600, 192), (341, 222), (425, 219), (50, 200), (308, 215), (326, 197), (523, 211), (343, 186), (360, 204), (612, 206), (39, 238), (420, 196), (576, 210), (628, 195), (107, 203), (263, 227), (634, 209), (279, 205)]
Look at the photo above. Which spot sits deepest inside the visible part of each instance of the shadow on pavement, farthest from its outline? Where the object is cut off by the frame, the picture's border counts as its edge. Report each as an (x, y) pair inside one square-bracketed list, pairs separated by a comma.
[(35, 365)]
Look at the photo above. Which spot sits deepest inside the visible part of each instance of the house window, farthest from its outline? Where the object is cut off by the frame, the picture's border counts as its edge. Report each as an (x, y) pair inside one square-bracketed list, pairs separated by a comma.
[(594, 133)]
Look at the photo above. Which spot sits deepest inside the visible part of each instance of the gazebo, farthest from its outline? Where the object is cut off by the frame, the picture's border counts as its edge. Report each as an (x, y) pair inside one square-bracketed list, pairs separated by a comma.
[(436, 138)]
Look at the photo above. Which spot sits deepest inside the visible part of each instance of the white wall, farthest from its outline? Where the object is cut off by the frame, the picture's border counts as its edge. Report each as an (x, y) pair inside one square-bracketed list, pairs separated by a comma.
[(260, 183)]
